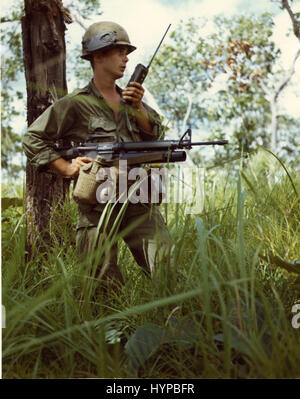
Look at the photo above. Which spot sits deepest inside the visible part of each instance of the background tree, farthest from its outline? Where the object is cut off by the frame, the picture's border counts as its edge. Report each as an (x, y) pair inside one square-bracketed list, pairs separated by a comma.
[(43, 53), (43, 32), (12, 68), (13, 90), (220, 75), (276, 87)]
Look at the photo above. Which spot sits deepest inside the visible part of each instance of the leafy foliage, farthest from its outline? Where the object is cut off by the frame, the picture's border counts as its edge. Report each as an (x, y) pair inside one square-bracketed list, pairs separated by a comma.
[(85, 8), (220, 72), (12, 69), (150, 337), (13, 95)]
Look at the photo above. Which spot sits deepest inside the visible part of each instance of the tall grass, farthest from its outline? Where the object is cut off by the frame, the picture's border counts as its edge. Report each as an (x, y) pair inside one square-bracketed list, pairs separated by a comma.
[(225, 287)]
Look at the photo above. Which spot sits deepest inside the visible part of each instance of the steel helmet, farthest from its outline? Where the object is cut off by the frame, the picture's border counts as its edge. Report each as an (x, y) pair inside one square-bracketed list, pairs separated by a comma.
[(102, 35)]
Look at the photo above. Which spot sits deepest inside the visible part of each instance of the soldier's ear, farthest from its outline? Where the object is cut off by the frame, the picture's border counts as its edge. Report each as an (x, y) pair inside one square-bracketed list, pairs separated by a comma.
[(96, 57)]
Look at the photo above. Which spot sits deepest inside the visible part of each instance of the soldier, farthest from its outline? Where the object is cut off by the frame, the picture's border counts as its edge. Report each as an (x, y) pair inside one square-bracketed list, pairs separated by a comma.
[(98, 107)]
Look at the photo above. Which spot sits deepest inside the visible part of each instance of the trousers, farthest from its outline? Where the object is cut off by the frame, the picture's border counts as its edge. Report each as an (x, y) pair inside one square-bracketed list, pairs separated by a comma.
[(141, 227)]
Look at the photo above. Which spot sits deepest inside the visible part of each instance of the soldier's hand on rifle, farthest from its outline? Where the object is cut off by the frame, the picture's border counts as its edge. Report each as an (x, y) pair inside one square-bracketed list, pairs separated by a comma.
[(69, 169), (134, 93)]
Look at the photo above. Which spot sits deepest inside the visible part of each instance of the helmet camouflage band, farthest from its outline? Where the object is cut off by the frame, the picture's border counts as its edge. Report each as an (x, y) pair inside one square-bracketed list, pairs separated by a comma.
[(104, 35)]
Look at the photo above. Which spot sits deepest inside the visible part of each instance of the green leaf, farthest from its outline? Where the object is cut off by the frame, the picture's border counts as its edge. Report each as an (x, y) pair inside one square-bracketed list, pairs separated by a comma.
[(237, 342), (143, 343), (114, 332), (182, 332), (148, 338)]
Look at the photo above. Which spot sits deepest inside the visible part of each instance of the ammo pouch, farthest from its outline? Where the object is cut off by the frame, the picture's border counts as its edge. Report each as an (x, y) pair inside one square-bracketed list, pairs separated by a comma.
[(85, 190), (86, 185)]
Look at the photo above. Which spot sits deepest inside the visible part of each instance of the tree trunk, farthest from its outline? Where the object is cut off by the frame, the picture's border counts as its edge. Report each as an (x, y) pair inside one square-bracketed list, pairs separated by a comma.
[(44, 52)]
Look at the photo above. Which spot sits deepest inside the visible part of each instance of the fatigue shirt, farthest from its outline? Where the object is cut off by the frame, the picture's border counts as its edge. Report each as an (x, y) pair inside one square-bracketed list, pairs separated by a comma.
[(74, 117)]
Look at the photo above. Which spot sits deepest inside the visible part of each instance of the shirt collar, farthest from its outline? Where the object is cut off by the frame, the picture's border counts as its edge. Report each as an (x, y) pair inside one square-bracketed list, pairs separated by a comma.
[(93, 90)]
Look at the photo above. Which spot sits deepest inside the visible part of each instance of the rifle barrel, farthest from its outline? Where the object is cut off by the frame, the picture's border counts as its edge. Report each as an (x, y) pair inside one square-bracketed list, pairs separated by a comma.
[(217, 142)]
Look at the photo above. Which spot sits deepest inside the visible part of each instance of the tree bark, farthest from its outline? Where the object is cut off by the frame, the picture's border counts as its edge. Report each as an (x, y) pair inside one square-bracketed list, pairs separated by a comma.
[(43, 28)]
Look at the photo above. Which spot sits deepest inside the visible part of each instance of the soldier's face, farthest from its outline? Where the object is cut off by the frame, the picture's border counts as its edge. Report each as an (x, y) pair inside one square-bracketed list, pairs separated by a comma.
[(112, 62)]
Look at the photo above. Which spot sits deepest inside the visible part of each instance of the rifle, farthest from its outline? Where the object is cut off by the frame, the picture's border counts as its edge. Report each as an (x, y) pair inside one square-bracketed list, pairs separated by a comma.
[(135, 153)]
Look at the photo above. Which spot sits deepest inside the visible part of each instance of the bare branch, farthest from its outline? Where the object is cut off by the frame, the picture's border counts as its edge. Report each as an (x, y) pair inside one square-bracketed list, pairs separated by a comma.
[(265, 88), (189, 160), (288, 77), (188, 112), (5, 20), (296, 27), (77, 18), (76, 15), (273, 96)]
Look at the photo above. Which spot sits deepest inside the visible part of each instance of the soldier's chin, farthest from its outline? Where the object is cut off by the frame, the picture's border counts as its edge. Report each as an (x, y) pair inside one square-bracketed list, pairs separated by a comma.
[(119, 75)]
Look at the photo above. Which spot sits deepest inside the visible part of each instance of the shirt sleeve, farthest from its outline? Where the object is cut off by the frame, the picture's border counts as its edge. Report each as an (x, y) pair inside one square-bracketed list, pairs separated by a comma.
[(40, 137), (157, 128)]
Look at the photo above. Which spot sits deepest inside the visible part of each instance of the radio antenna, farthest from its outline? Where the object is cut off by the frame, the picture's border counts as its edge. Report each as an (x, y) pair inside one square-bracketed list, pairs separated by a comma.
[(158, 46)]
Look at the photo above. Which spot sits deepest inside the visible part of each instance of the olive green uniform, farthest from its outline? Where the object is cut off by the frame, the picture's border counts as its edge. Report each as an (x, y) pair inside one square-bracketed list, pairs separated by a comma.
[(73, 118)]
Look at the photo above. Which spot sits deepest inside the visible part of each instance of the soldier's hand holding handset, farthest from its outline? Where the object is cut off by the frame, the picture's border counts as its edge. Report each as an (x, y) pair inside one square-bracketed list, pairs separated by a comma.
[(133, 94)]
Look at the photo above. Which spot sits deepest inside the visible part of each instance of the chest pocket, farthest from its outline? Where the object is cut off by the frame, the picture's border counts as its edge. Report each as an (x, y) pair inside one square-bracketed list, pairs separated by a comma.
[(101, 126)]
